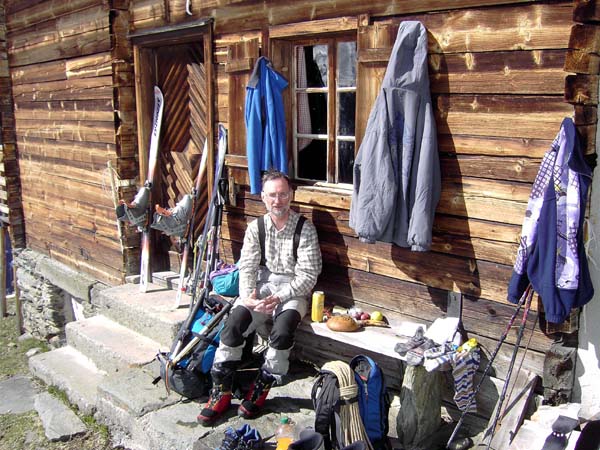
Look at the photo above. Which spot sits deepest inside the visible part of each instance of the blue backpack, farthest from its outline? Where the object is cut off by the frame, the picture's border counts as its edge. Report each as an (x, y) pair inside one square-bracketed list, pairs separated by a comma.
[(373, 400)]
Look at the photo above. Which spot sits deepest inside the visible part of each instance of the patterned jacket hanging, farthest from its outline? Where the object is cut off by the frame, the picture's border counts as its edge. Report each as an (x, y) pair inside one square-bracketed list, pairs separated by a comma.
[(551, 253)]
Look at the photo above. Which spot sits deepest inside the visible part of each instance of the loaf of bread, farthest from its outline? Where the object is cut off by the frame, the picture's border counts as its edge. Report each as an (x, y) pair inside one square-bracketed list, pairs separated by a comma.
[(342, 323)]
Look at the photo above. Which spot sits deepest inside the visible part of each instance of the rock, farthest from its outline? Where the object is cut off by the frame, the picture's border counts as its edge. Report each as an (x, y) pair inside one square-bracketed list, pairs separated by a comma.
[(33, 351), (11, 345), (24, 337), (55, 342), (17, 394), (60, 423)]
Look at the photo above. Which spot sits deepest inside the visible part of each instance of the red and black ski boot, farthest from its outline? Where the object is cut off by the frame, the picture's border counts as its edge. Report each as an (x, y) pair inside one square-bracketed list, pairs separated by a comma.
[(218, 402), (257, 395)]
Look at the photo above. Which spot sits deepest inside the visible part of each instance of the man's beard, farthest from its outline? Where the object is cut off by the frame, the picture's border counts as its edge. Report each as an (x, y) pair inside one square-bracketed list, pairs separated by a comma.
[(279, 211)]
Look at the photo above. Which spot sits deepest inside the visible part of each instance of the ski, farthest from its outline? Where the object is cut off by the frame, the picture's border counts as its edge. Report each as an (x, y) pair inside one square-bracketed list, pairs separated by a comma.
[(202, 242), (189, 235), (145, 274)]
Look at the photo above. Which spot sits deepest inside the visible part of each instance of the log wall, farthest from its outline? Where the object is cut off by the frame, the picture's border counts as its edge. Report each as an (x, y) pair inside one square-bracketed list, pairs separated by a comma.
[(11, 211), (498, 81), (74, 111)]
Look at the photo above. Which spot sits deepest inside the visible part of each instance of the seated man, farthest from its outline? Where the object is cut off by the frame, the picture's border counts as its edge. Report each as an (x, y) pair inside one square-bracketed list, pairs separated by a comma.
[(277, 289)]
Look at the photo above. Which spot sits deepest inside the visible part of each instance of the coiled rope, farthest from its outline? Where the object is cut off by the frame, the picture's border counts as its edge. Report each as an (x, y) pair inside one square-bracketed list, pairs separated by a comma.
[(351, 425)]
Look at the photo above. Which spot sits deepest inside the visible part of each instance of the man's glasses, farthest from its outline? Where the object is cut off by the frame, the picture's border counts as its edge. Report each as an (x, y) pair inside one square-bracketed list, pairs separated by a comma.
[(279, 195)]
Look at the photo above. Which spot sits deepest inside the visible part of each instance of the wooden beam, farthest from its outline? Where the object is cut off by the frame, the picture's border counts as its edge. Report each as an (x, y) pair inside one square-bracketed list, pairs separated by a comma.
[(586, 11)]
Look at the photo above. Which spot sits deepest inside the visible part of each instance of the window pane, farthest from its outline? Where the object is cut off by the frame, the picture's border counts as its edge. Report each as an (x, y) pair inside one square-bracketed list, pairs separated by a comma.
[(346, 113), (312, 161), (346, 64), (311, 63), (312, 113), (345, 161)]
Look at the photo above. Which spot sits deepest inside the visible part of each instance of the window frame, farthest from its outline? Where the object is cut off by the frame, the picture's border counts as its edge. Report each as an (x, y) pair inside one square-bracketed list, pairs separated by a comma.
[(332, 91)]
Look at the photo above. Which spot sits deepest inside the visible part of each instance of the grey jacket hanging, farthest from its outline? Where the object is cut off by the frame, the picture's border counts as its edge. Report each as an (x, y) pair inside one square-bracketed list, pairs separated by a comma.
[(397, 171)]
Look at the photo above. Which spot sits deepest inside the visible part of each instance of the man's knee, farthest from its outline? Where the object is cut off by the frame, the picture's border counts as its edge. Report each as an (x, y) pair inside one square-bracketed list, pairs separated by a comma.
[(284, 330), (236, 325)]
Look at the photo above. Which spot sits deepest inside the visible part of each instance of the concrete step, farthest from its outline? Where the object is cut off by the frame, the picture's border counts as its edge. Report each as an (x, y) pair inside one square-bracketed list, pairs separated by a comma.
[(109, 344), (150, 314), (72, 372), (125, 397)]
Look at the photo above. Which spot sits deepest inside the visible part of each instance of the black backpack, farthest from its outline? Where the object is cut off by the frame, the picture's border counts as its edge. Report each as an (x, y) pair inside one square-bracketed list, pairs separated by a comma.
[(190, 376), (325, 396)]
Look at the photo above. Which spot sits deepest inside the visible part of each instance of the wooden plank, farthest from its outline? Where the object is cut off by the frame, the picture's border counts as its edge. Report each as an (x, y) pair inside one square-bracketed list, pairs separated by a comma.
[(49, 171), (240, 16), (529, 117), (517, 72), (493, 146), (43, 11), (586, 11), (92, 42), (87, 155), (516, 27), (582, 89), (98, 88), (579, 61), (302, 29), (80, 130), (95, 110), (498, 168), (520, 391)]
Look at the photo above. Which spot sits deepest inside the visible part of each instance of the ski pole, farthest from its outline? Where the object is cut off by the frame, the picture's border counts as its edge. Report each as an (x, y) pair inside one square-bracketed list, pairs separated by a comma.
[(510, 367), (209, 326), (489, 365), (189, 233)]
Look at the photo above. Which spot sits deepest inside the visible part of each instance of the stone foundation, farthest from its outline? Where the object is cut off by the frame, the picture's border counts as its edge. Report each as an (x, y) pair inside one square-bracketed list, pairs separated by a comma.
[(52, 295)]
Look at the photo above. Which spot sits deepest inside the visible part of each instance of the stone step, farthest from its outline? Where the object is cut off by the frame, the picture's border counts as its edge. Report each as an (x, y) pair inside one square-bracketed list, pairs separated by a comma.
[(150, 314), (59, 421), (72, 372), (126, 396), (109, 344)]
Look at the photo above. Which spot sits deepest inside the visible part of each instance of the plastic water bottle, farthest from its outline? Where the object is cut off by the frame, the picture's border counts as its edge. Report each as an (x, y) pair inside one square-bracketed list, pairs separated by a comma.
[(284, 434)]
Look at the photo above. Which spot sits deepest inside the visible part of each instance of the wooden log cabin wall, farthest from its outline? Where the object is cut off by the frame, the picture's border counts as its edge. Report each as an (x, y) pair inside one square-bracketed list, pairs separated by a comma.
[(11, 211), (74, 108), (503, 76)]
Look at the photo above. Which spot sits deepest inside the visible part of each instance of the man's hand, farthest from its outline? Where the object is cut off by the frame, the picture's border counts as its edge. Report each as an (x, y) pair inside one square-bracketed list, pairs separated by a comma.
[(267, 305), (251, 302)]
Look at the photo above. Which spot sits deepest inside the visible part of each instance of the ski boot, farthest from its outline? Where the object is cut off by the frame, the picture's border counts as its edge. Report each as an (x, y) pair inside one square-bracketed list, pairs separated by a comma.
[(218, 402), (257, 395), (220, 396)]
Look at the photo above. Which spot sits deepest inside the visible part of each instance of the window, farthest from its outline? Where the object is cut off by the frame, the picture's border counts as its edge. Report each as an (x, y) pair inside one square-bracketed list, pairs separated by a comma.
[(324, 108)]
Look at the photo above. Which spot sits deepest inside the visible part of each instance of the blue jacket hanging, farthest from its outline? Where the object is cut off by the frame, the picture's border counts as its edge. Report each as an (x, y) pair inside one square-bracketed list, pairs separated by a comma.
[(265, 123), (551, 254)]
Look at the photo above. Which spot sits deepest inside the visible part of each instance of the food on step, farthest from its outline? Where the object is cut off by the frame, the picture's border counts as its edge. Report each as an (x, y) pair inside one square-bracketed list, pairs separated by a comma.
[(376, 315)]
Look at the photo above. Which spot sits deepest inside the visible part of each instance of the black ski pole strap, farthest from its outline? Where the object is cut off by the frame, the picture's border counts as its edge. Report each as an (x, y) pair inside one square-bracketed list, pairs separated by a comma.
[(262, 234)]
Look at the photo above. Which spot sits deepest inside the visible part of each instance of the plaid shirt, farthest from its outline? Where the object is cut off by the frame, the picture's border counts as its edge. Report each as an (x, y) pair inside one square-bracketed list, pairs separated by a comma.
[(280, 257)]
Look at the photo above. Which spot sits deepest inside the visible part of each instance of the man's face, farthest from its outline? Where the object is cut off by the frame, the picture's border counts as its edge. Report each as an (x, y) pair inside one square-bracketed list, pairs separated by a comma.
[(276, 197)]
